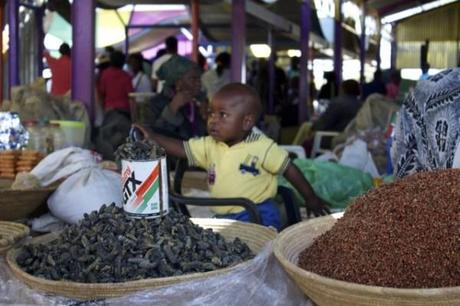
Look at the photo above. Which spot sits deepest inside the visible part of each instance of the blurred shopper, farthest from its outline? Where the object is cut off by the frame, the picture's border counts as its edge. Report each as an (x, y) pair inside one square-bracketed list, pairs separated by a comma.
[(214, 79), (376, 86), (115, 85), (141, 82), (392, 87), (171, 49), (341, 110), (61, 70), (330, 89)]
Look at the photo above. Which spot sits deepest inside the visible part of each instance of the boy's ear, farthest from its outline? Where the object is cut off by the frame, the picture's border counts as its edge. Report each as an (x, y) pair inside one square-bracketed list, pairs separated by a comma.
[(248, 122)]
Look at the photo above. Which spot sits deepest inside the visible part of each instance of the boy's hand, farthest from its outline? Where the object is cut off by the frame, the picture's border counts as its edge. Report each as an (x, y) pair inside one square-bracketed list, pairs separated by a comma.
[(317, 207), (146, 132)]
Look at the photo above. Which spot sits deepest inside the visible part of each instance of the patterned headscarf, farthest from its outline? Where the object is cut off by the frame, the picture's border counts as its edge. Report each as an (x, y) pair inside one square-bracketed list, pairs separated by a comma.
[(174, 68), (427, 133)]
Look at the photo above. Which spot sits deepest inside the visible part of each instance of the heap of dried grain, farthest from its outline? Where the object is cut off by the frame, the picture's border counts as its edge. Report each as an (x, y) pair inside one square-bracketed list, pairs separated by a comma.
[(404, 235)]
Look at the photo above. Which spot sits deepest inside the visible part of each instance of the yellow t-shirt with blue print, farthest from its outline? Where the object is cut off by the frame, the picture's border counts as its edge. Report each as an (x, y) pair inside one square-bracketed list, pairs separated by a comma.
[(247, 169)]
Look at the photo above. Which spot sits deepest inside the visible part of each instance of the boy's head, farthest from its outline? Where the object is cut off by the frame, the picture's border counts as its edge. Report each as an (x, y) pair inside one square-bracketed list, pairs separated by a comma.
[(233, 111)]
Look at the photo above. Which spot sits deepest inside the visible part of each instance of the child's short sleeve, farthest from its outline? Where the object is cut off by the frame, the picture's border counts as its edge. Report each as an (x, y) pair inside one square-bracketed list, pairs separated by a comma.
[(195, 149), (276, 159)]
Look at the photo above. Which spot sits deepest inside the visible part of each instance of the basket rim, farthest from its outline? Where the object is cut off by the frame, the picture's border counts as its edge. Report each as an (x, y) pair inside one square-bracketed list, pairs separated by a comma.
[(203, 222), (287, 235)]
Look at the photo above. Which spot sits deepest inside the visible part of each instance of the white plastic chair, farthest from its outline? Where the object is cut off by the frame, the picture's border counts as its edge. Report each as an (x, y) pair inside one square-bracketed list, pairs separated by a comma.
[(319, 135)]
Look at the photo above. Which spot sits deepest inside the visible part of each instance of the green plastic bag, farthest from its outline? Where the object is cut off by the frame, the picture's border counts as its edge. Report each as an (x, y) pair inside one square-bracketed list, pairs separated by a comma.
[(334, 183)]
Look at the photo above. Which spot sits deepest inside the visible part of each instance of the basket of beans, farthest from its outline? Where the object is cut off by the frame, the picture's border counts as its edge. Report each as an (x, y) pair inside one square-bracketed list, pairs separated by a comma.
[(398, 244), (109, 254)]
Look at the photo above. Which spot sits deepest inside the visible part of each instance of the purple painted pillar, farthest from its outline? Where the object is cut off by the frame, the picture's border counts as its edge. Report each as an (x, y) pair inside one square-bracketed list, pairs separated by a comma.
[(271, 74), (362, 43), (238, 68), (83, 19), (13, 51), (305, 23), (39, 13), (338, 59)]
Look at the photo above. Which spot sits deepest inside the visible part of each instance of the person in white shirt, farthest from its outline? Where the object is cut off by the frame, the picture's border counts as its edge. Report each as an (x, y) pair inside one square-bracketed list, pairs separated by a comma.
[(214, 79), (171, 49), (141, 82)]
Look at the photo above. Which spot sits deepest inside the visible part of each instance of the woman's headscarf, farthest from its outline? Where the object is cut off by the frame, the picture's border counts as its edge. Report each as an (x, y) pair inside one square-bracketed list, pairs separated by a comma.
[(427, 133), (174, 68)]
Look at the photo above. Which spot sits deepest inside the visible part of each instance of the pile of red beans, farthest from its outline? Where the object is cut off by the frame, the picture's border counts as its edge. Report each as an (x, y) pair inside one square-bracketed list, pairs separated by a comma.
[(404, 235)]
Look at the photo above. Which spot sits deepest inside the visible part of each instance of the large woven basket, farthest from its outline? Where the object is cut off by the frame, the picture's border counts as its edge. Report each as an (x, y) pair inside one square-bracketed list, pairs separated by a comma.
[(255, 236), (19, 204), (13, 232), (329, 292)]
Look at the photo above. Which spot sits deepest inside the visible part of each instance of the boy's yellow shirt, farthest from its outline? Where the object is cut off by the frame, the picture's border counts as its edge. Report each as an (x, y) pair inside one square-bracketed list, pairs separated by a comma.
[(247, 169)]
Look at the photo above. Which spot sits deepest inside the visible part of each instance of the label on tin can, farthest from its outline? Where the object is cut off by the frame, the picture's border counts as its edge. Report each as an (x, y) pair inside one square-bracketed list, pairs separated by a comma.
[(145, 188)]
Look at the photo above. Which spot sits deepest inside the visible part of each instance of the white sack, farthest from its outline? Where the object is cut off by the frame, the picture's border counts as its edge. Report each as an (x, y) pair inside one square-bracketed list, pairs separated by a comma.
[(63, 163), (85, 191)]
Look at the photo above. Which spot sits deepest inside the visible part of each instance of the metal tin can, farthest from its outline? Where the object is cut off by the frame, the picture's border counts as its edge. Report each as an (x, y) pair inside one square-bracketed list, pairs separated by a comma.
[(145, 188)]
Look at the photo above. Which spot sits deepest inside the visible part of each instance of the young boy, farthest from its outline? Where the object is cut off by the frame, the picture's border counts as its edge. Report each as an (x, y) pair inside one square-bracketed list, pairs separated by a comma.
[(240, 160)]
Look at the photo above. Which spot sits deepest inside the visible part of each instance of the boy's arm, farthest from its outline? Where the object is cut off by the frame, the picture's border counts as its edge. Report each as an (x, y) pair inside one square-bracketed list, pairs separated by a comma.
[(172, 146), (313, 203)]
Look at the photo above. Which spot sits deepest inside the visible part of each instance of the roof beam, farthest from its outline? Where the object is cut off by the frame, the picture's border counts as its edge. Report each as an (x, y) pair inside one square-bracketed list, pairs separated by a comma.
[(278, 23)]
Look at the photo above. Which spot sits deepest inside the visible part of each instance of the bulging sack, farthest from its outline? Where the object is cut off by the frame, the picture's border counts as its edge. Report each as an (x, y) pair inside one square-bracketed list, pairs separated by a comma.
[(85, 191)]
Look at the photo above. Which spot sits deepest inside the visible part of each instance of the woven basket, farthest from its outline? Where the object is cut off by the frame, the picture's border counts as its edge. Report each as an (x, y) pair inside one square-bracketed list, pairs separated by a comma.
[(14, 231), (255, 236), (329, 292), (19, 204)]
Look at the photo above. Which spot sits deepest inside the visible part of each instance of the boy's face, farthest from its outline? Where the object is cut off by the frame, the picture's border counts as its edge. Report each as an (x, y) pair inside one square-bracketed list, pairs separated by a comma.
[(228, 119)]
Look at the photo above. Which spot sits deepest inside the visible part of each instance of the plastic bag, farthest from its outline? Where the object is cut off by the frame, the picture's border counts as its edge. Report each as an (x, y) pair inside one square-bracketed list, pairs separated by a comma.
[(85, 191), (260, 282), (356, 155), (334, 183)]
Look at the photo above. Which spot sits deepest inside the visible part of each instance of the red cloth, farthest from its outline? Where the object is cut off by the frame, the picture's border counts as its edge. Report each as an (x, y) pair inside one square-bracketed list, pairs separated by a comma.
[(114, 86), (61, 68)]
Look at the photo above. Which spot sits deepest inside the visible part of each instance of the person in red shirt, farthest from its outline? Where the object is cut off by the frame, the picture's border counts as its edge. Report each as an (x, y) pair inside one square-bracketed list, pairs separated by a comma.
[(115, 84), (61, 69)]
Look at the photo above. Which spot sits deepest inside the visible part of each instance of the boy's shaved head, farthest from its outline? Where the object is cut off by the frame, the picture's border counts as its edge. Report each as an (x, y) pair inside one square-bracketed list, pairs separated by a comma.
[(243, 95)]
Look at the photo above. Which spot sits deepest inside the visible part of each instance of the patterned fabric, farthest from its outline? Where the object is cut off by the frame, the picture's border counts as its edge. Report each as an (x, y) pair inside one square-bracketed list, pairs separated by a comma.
[(427, 133)]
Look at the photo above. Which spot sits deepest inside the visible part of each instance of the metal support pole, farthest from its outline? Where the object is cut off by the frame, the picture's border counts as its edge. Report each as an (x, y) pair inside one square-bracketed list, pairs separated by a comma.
[(13, 52), (238, 68), (83, 20), (126, 40), (338, 59), (394, 48), (305, 23), (362, 43), (195, 28), (2, 67), (271, 73), (39, 13)]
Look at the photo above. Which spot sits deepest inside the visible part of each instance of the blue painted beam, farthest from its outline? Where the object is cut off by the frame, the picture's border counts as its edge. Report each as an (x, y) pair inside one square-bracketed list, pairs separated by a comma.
[(83, 29)]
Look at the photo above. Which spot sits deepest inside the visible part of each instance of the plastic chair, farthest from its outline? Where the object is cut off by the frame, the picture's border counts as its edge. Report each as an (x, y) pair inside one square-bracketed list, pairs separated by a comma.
[(287, 207), (317, 142)]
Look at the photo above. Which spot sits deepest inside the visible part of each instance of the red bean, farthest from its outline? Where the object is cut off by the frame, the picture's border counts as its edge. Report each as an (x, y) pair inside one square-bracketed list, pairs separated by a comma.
[(404, 234)]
